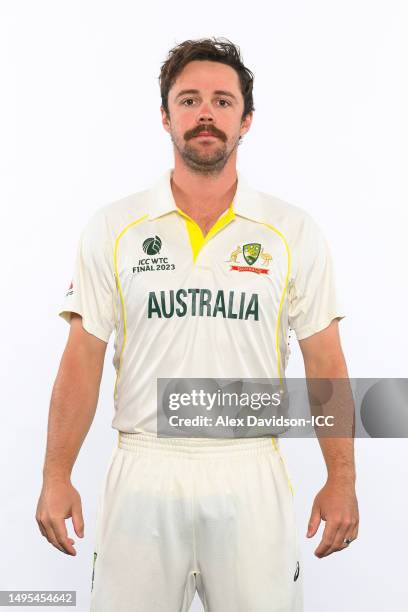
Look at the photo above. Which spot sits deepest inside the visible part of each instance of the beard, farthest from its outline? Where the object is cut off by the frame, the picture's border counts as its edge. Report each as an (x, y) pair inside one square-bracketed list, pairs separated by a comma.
[(204, 160)]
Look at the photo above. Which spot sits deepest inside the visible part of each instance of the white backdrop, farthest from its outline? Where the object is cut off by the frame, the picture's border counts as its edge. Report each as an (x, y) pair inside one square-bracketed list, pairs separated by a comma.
[(80, 127)]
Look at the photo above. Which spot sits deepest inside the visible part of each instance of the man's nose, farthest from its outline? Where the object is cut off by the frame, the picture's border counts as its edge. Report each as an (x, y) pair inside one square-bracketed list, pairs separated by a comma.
[(205, 115)]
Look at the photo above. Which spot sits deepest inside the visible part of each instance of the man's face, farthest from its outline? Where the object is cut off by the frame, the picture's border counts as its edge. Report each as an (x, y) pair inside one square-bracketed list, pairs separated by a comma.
[(205, 115)]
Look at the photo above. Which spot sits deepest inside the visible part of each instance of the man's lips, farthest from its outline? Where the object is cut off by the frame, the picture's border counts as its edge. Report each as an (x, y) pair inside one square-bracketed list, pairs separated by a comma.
[(205, 134)]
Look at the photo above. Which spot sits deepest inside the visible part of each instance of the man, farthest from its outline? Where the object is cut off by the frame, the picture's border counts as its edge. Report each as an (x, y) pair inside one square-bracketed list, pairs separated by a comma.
[(200, 276)]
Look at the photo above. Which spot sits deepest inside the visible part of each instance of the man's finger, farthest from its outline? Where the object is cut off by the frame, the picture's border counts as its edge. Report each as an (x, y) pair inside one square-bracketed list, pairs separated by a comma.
[(47, 530), (314, 521), (50, 535), (61, 535), (329, 534), (342, 533), (353, 535), (40, 526)]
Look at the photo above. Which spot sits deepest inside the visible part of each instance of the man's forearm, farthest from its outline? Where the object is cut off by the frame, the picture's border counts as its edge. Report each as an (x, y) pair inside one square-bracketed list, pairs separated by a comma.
[(72, 408), (337, 443), (339, 457)]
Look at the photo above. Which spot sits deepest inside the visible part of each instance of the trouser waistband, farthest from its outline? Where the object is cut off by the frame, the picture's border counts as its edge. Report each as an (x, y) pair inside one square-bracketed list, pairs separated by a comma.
[(138, 442)]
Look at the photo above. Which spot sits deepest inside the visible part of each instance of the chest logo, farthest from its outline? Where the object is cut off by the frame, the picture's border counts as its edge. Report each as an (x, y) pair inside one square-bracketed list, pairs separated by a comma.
[(152, 246), (251, 252)]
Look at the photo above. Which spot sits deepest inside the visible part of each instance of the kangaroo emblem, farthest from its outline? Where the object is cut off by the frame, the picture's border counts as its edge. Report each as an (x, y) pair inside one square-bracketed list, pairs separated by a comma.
[(266, 257), (234, 254)]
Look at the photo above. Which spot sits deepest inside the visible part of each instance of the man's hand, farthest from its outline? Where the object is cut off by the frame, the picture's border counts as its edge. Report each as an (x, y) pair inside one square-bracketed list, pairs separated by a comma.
[(336, 503), (58, 501)]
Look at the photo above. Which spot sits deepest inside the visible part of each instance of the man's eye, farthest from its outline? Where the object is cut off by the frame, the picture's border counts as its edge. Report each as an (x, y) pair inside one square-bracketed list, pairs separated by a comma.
[(222, 101)]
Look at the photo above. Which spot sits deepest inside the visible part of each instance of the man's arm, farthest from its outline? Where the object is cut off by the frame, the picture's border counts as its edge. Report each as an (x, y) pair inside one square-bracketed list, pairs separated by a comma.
[(72, 409), (336, 503)]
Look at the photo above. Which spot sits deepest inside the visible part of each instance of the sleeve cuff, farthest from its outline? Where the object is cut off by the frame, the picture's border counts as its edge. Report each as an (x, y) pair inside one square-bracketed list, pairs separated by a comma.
[(89, 325), (314, 328)]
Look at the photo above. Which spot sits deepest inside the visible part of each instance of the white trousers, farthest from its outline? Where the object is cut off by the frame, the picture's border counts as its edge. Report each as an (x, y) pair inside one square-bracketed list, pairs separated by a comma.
[(178, 515)]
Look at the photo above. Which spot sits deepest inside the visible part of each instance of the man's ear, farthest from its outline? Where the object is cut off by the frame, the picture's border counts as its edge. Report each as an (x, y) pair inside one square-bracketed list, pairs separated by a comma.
[(165, 119), (246, 123)]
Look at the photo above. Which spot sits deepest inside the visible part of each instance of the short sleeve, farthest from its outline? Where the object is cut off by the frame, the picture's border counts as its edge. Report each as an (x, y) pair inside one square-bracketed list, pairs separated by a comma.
[(312, 292), (92, 290)]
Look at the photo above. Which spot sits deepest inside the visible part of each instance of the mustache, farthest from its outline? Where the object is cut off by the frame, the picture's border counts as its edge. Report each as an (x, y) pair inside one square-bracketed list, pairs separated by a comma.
[(211, 129)]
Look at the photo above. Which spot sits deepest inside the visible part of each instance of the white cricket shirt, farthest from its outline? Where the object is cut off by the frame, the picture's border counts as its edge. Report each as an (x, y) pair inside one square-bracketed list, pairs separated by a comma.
[(187, 306)]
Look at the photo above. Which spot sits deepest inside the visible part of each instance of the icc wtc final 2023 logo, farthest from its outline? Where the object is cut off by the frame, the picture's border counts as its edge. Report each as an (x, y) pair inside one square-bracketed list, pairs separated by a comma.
[(251, 253)]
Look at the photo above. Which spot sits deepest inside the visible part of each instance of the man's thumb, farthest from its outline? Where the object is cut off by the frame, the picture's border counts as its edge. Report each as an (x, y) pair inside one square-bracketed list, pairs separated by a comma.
[(314, 521), (78, 521)]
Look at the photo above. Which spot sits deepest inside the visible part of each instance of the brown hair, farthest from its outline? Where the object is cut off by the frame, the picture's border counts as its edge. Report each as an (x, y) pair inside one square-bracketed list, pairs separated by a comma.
[(214, 50)]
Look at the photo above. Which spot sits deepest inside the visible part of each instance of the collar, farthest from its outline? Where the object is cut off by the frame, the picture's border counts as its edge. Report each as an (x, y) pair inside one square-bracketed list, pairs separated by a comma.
[(246, 202)]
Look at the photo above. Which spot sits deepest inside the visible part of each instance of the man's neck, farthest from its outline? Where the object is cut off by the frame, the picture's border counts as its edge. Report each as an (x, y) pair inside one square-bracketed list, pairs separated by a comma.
[(204, 198)]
